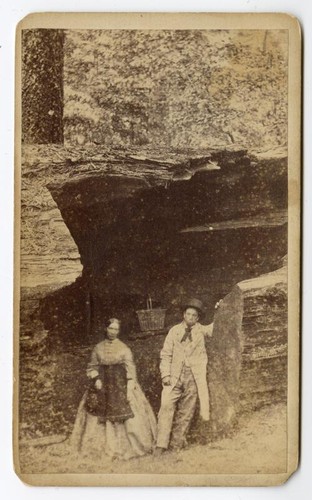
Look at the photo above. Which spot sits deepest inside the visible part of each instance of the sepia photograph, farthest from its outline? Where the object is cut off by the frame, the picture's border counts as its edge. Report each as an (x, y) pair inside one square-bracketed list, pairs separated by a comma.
[(157, 249)]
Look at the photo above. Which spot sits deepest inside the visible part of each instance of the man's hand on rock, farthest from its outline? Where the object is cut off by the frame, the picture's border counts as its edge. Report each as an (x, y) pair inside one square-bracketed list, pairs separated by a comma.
[(218, 304)]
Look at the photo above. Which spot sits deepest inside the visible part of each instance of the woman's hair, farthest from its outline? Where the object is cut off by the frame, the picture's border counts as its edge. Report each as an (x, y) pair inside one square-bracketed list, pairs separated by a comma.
[(113, 320)]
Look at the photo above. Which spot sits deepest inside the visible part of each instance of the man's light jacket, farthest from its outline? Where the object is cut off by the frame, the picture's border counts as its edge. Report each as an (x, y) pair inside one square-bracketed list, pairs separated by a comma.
[(172, 359)]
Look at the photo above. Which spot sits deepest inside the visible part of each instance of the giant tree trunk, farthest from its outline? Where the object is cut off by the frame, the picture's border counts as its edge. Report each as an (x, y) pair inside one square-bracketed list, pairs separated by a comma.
[(42, 86)]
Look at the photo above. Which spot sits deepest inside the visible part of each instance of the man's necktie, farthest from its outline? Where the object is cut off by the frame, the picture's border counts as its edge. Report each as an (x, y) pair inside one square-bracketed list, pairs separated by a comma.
[(187, 334)]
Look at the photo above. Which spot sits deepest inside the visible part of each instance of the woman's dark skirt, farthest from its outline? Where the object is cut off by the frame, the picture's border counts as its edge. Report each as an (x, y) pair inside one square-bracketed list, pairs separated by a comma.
[(110, 402)]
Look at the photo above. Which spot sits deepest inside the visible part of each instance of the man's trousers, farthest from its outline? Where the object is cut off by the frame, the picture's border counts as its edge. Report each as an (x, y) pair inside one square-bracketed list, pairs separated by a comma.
[(176, 411)]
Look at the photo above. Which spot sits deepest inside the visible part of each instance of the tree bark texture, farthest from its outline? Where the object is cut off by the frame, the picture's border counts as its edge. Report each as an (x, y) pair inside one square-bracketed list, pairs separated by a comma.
[(42, 86)]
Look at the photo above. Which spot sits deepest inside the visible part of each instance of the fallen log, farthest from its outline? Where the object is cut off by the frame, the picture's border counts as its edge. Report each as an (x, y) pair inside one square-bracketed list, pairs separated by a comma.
[(264, 357), (43, 440)]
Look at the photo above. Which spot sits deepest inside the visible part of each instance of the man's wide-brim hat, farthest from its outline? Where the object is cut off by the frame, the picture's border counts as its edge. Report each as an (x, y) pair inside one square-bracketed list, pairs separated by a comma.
[(195, 303)]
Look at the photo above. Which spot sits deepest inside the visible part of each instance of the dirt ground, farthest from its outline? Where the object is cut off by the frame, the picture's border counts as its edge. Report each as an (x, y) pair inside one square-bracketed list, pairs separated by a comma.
[(257, 446)]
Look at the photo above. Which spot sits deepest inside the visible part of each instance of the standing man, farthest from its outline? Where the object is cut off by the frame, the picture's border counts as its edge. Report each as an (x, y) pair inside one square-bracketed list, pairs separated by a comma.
[(183, 369)]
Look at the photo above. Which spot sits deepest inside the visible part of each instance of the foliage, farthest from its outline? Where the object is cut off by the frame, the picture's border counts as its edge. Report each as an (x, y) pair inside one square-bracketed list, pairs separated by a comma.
[(176, 88), (45, 383)]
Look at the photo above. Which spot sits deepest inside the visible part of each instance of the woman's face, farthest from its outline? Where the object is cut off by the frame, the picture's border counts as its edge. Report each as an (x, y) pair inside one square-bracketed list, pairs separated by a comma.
[(113, 331)]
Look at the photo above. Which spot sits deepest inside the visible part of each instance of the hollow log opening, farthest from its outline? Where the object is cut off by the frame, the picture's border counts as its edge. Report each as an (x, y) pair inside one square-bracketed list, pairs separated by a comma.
[(167, 241)]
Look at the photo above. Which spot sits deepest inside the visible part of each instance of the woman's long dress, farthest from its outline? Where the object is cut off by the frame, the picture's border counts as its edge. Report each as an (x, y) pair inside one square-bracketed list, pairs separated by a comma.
[(127, 426)]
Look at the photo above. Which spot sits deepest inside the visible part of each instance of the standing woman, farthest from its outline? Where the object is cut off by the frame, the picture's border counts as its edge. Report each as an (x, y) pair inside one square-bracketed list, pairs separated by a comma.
[(114, 416)]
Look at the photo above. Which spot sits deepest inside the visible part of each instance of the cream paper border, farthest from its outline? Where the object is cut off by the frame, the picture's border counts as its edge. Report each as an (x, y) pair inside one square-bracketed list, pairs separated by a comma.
[(183, 21)]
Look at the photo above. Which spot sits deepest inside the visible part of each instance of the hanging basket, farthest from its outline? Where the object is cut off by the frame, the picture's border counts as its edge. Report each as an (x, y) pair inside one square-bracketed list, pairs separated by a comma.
[(151, 319)]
